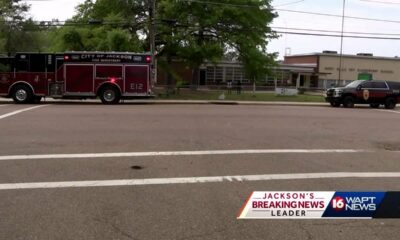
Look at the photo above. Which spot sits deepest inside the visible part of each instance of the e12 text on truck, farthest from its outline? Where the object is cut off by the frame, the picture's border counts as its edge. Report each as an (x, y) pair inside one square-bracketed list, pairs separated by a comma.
[(28, 77)]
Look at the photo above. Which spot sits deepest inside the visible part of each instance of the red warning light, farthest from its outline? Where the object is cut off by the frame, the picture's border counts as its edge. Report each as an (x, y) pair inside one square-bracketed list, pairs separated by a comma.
[(66, 58), (113, 80), (148, 59)]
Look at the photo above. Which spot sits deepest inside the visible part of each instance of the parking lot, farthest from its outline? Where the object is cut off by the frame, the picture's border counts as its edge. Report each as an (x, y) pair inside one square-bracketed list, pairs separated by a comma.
[(137, 171)]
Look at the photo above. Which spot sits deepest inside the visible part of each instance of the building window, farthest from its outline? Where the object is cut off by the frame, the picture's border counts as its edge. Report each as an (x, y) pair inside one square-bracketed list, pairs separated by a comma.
[(229, 74), (210, 74), (330, 83), (219, 74), (270, 80), (238, 74)]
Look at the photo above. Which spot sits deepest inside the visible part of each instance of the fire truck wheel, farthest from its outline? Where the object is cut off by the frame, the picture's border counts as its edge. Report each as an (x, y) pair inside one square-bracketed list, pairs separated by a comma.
[(37, 99), (390, 103), (22, 94), (110, 95)]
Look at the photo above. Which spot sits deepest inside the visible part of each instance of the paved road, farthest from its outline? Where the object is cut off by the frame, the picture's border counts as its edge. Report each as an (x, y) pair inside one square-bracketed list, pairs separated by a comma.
[(184, 210)]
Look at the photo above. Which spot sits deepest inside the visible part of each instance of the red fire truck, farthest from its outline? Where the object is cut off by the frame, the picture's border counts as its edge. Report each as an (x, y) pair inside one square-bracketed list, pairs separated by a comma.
[(27, 77)]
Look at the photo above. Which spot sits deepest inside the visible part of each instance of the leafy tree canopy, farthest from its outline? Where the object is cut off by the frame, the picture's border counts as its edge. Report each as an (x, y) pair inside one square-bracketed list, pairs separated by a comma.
[(199, 31), (193, 31), (17, 31)]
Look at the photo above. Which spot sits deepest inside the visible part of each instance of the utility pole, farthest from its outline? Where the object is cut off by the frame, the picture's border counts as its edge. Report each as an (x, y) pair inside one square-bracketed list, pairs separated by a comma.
[(341, 43), (152, 39)]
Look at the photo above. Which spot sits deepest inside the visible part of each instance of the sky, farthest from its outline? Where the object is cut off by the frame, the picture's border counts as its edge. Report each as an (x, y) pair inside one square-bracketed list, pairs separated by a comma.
[(296, 44)]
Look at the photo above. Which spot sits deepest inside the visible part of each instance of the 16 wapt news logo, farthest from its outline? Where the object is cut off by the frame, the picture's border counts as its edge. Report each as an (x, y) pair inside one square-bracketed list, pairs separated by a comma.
[(354, 204), (331, 205)]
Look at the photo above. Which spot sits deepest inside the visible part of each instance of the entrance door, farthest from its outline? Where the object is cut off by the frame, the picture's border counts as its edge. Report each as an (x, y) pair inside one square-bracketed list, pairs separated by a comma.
[(202, 77)]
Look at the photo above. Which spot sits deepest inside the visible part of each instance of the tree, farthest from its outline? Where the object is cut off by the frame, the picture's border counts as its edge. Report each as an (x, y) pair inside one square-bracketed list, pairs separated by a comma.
[(205, 30), (104, 25), (192, 31), (17, 32)]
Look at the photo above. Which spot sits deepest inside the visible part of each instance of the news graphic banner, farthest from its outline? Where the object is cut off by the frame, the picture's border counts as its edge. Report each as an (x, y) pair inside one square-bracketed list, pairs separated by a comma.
[(314, 205)]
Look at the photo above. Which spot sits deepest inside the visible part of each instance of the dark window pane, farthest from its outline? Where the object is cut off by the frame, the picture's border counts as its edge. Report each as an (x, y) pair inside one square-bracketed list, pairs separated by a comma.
[(38, 63), (22, 66), (5, 65), (366, 85), (379, 85)]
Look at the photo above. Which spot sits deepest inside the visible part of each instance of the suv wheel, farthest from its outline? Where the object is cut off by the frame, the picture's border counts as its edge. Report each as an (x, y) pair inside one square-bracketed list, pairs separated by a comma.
[(348, 102), (335, 104), (374, 105), (390, 103)]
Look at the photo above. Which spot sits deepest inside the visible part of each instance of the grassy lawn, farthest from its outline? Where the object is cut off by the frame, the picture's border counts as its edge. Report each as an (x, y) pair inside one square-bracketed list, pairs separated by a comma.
[(245, 96)]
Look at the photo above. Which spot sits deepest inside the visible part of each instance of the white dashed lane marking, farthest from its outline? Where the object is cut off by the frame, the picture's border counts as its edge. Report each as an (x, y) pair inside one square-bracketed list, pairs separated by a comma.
[(193, 180), (177, 153), (391, 111), (20, 111)]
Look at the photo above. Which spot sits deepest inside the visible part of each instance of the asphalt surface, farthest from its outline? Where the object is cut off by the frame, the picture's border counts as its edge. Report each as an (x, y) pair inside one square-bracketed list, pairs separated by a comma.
[(186, 211)]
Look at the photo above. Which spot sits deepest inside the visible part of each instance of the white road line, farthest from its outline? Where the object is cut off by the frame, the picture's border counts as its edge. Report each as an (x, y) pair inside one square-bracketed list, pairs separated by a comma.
[(176, 153), (20, 111), (392, 111), (192, 180), (3, 105)]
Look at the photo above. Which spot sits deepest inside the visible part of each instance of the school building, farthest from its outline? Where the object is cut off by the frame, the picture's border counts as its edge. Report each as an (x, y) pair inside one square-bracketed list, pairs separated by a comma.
[(308, 71)]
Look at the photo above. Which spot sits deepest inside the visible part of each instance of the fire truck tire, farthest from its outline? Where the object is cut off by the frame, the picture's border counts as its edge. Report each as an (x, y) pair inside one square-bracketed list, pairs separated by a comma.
[(22, 94), (348, 102), (37, 99), (390, 103), (110, 95)]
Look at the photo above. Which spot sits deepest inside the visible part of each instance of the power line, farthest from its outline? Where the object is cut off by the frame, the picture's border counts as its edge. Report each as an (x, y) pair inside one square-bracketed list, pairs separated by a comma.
[(336, 36), (284, 10), (332, 31), (339, 16), (293, 11), (221, 4), (373, 1), (296, 31), (289, 3)]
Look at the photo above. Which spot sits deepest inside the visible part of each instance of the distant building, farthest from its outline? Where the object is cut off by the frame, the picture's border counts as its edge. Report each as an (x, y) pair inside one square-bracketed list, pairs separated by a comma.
[(309, 71), (353, 67), (214, 75)]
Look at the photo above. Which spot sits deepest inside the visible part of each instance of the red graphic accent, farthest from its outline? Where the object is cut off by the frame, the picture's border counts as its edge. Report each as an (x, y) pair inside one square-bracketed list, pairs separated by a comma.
[(241, 210), (338, 204)]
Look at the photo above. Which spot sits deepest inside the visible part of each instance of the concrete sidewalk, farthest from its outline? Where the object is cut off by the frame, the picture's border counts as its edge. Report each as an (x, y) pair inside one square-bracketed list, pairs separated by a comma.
[(152, 101)]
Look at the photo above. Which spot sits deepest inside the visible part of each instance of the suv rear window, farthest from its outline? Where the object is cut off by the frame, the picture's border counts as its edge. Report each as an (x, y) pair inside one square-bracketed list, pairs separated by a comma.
[(379, 85), (394, 85)]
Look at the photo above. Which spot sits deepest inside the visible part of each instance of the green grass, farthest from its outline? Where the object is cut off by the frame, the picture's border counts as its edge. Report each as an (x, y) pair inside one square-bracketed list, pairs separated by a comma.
[(246, 96)]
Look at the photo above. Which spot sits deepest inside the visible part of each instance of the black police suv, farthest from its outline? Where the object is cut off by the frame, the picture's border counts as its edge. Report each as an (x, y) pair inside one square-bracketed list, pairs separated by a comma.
[(374, 93)]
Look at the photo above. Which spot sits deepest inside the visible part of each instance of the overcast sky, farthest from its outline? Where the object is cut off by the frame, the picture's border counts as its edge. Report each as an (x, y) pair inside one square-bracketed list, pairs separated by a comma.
[(377, 9)]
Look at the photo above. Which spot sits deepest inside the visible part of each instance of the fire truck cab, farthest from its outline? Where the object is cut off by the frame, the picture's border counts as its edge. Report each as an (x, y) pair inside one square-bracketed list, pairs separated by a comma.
[(27, 77)]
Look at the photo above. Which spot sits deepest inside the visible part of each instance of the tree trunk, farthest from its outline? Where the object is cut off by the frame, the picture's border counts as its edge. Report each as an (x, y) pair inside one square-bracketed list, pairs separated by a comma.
[(254, 87), (169, 75), (195, 78)]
